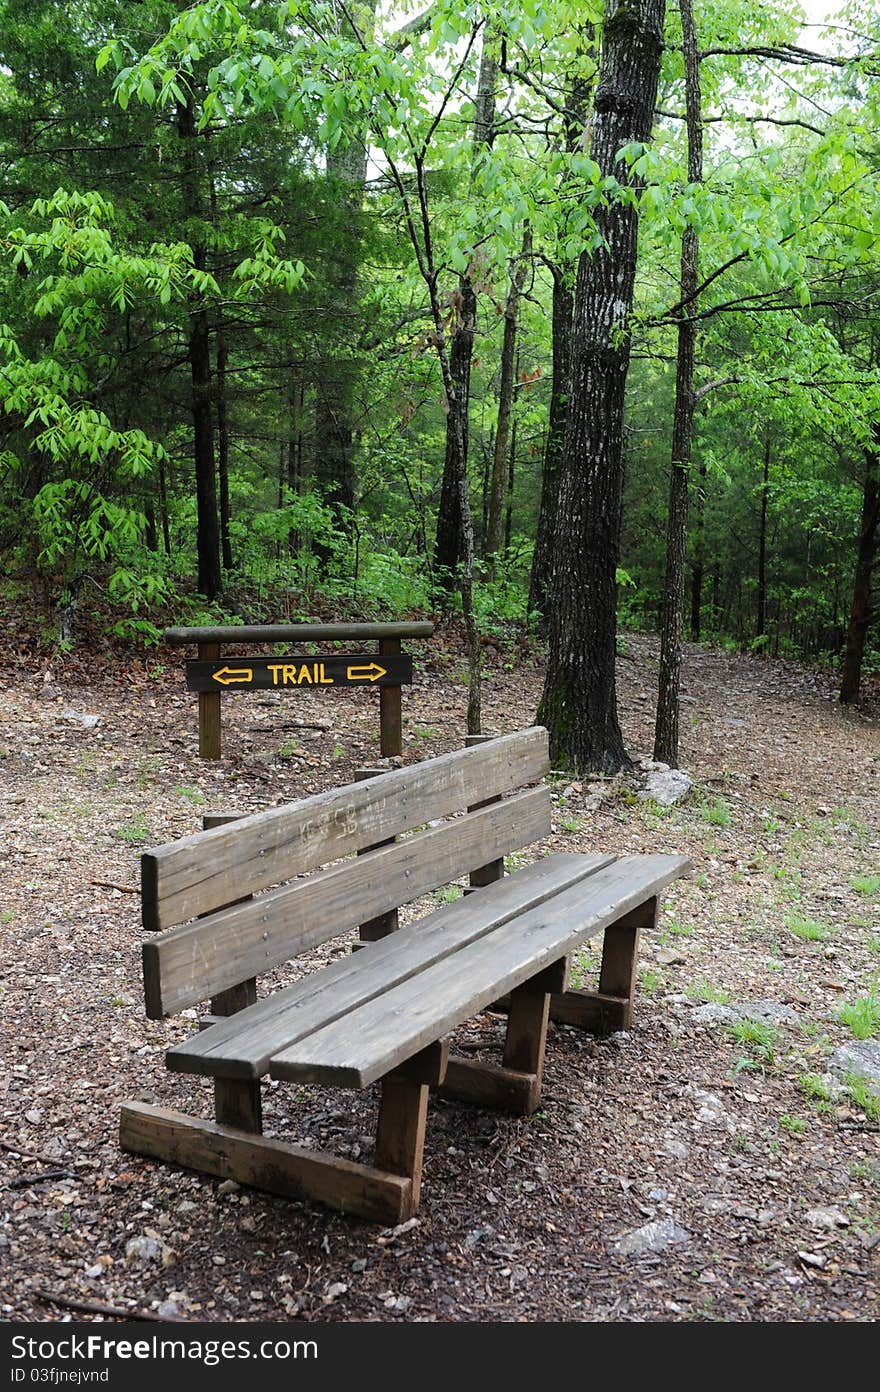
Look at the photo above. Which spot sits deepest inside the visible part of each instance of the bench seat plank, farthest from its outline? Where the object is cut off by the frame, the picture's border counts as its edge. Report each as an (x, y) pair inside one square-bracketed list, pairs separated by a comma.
[(186, 964), (242, 1045), (366, 1043)]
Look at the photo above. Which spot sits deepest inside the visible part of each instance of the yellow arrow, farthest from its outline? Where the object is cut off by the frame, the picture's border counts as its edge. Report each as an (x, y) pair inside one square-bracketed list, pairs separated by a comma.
[(371, 673), (227, 675)]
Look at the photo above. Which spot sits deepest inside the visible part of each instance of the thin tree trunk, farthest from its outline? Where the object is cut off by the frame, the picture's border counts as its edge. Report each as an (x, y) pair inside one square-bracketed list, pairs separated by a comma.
[(447, 546), (209, 578), (866, 558), (495, 525), (698, 570), (163, 508), (579, 701), (223, 449), (511, 471), (669, 683), (761, 616)]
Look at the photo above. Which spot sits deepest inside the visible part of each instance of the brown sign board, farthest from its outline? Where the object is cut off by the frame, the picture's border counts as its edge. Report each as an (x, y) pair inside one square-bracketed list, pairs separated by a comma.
[(315, 673)]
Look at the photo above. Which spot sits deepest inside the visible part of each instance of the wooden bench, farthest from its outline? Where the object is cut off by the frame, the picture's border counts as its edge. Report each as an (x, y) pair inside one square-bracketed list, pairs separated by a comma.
[(250, 894)]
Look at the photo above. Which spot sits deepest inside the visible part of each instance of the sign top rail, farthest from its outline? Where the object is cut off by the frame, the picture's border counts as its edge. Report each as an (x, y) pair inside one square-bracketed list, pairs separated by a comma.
[(294, 633)]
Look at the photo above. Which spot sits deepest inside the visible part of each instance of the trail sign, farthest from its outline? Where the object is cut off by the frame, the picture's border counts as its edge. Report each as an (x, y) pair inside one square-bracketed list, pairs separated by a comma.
[(313, 673)]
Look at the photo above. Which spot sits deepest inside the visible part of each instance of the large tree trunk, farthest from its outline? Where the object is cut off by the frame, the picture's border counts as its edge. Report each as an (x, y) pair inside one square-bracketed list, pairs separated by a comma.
[(866, 559), (447, 546), (579, 701), (563, 308), (495, 523), (199, 352), (669, 683), (542, 561)]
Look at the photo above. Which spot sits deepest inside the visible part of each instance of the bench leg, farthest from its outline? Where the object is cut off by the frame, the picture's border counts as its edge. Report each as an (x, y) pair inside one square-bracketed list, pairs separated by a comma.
[(611, 1007), (403, 1114), (400, 1134), (237, 1103), (515, 1085)]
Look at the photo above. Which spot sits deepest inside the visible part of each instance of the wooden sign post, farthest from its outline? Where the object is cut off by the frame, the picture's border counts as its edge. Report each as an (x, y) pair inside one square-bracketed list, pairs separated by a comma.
[(211, 674)]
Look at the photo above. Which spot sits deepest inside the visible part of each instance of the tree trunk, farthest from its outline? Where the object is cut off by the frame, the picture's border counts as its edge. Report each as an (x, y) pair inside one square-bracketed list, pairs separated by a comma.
[(579, 701), (511, 478), (447, 546), (669, 683), (699, 567), (199, 352), (866, 558), (761, 616), (495, 524), (563, 308), (542, 561), (223, 449), (163, 508)]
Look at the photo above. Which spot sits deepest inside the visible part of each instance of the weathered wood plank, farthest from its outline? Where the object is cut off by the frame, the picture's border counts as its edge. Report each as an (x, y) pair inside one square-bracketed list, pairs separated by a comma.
[(185, 964), (587, 1010), (489, 1085), (199, 873), (242, 1047), (292, 1171), (370, 1041), (294, 633)]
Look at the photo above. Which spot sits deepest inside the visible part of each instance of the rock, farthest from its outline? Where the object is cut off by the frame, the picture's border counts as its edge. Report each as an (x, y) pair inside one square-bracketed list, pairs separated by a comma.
[(666, 786), (168, 1310), (669, 957), (861, 1058), (229, 1186), (143, 1249), (768, 1012), (187, 1206), (653, 1237), (827, 1218), (675, 1148), (93, 1272), (332, 1292), (88, 722)]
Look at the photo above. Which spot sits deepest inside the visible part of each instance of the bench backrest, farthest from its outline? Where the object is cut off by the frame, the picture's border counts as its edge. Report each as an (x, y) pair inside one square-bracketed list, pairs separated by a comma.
[(211, 874)]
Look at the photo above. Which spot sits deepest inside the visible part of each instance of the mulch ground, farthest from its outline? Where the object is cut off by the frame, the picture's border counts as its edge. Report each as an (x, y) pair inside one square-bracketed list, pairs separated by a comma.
[(774, 1194)]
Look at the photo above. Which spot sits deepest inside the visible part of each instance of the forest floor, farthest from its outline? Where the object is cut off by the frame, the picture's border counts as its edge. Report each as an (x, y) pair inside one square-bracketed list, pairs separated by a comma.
[(690, 1169)]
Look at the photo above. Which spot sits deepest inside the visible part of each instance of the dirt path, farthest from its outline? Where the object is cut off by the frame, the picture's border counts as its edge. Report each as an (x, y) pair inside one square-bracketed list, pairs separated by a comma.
[(770, 1196)]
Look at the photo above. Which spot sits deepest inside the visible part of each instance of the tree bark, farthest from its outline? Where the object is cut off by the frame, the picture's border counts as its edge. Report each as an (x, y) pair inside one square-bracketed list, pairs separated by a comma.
[(666, 728), (447, 546), (495, 524), (761, 615), (698, 570), (511, 479), (562, 311), (866, 559), (542, 561), (223, 449), (209, 578), (579, 701)]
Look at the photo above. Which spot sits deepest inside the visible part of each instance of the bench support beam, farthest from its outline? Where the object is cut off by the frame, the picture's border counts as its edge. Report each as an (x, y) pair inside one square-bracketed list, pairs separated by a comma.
[(291, 1171)]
